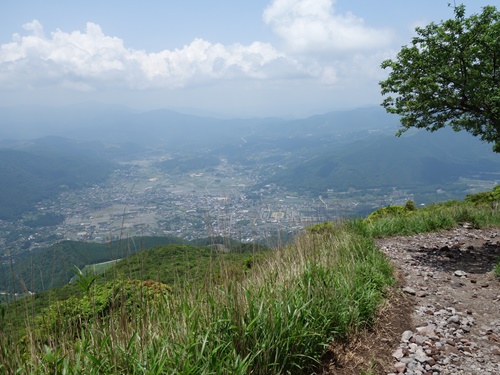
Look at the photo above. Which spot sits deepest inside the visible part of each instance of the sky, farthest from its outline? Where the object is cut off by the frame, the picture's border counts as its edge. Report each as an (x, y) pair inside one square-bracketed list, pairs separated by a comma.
[(283, 58)]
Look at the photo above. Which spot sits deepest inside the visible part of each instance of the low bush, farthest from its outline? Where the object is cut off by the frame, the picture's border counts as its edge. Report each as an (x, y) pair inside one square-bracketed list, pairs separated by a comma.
[(78, 312)]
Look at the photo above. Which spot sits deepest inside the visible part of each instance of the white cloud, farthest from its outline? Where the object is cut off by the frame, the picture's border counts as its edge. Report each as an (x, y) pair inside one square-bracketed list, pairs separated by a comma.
[(312, 26), (36, 27), (325, 51), (87, 60)]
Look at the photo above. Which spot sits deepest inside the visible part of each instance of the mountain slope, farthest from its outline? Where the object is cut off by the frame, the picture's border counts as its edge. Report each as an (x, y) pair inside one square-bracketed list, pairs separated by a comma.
[(416, 159), (36, 170), (52, 267)]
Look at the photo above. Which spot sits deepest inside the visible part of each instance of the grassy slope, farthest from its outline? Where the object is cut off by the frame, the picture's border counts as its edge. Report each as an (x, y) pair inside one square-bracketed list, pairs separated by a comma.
[(49, 268), (168, 263), (174, 264), (275, 317)]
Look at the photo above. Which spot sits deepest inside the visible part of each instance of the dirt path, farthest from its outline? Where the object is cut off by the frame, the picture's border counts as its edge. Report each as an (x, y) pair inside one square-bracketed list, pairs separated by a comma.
[(456, 315), (445, 316)]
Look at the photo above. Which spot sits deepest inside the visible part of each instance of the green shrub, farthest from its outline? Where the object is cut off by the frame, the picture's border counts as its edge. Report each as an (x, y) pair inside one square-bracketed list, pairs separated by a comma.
[(410, 206), (75, 313), (389, 211), (326, 227), (485, 198)]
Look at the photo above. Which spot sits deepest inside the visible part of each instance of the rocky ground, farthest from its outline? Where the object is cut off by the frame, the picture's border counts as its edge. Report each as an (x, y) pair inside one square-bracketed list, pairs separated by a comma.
[(444, 317)]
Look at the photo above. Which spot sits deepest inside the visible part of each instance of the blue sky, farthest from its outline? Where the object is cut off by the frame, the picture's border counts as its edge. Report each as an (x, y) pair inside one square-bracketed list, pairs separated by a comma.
[(231, 57)]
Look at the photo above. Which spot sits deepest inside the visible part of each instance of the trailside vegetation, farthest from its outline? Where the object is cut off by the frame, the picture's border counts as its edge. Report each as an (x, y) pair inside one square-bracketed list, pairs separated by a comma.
[(268, 312)]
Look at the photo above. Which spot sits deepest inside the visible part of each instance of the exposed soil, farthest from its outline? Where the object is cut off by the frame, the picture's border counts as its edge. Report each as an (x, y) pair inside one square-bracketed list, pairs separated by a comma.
[(444, 315)]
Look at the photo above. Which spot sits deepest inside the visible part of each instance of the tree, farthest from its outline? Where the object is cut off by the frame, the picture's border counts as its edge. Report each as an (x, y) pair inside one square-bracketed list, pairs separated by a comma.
[(449, 76)]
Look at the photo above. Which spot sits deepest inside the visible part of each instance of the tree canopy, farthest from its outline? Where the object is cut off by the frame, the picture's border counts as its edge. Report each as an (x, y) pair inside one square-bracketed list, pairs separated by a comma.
[(449, 76)]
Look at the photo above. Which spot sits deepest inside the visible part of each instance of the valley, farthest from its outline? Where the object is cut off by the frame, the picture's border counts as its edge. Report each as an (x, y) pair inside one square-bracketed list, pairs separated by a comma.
[(139, 199), (253, 180)]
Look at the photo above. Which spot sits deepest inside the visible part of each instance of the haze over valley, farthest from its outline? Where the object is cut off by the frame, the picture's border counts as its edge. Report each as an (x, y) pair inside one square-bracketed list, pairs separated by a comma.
[(165, 173)]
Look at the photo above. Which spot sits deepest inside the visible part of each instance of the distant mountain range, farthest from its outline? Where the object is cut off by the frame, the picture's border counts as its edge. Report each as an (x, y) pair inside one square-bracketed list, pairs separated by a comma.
[(174, 130)]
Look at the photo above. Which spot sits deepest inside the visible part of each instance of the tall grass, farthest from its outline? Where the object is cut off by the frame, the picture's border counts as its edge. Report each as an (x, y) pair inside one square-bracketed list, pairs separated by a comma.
[(427, 219), (277, 320)]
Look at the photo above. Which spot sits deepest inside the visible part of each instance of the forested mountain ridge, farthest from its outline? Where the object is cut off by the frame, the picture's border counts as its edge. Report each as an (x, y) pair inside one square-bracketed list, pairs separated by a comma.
[(54, 265), (413, 161), (174, 130), (36, 170)]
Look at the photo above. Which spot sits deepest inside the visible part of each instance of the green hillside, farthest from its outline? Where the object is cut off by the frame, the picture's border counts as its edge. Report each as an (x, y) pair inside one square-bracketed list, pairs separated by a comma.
[(167, 260), (172, 264), (36, 170), (48, 268), (415, 161)]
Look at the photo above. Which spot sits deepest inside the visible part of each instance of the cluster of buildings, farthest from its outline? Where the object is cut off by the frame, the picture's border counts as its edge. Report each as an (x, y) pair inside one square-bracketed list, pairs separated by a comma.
[(142, 200)]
